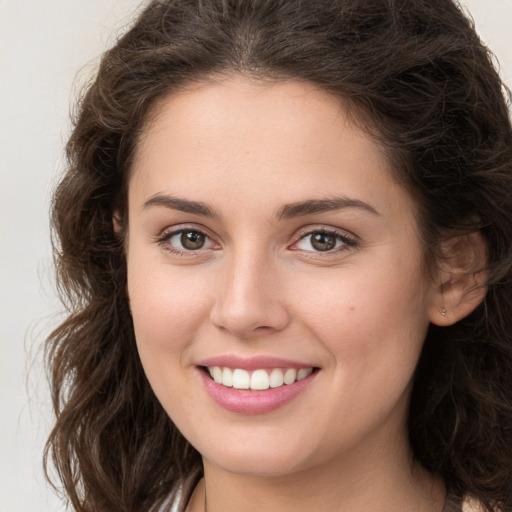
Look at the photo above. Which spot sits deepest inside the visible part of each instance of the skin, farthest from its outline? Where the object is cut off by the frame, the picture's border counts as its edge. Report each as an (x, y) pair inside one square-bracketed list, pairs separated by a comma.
[(258, 286)]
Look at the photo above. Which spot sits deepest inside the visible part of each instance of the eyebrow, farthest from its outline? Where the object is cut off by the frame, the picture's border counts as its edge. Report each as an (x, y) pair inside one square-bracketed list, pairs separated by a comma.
[(313, 206), (183, 205), (288, 211)]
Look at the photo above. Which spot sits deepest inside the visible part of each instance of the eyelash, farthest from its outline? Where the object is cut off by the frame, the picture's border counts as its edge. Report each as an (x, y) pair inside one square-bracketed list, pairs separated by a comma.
[(346, 241), (164, 240)]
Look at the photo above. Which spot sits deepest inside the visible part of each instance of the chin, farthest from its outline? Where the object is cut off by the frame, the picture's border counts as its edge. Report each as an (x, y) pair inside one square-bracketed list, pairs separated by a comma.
[(256, 460), (257, 467)]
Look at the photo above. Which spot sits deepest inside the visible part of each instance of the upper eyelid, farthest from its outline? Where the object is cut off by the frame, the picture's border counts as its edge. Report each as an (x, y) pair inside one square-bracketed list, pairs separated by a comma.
[(165, 235), (348, 239), (179, 228), (308, 230), (164, 241)]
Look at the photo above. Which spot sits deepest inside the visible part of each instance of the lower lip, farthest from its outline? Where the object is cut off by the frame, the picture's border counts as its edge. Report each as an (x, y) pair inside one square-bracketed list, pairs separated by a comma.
[(254, 402)]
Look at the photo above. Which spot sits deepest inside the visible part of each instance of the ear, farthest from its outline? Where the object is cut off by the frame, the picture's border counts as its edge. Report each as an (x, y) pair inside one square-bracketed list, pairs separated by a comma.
[(117, 223), (461, 283)]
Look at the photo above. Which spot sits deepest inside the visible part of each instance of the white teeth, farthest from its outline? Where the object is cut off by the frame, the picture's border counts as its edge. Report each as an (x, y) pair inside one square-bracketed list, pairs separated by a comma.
[(260, 380), (241, 379), (227, 377), (217, 374), (290, 376), (276, 378), (257, 380), (303, 373)]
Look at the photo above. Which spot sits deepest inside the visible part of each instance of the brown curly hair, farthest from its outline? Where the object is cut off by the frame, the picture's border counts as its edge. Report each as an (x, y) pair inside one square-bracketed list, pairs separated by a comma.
[(424, 85)]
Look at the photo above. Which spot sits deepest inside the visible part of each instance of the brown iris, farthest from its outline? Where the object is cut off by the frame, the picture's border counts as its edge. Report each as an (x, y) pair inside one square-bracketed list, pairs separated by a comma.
[(192, 240), (323, 241)]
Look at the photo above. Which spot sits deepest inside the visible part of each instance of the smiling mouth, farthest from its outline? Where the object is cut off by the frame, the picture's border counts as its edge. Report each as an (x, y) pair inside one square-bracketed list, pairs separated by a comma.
[(257, 380)]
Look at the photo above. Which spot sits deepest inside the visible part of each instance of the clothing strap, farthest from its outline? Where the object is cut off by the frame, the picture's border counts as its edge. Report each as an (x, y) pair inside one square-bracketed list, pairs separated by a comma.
[(452, 503)]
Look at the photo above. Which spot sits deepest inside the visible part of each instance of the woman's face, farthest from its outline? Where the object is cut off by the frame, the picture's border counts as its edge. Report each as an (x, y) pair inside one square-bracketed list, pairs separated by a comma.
[(267, 241)]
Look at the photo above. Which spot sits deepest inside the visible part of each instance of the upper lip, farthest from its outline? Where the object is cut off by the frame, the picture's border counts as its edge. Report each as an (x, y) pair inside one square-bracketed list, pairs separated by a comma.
[(253, 363)]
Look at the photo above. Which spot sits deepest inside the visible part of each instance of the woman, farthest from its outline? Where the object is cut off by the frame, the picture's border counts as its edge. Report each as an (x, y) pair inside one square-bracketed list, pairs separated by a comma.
[(285, 242)]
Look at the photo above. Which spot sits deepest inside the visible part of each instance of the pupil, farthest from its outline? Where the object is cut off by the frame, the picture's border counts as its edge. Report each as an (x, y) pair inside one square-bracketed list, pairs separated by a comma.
[(323, 241), (192, 240)]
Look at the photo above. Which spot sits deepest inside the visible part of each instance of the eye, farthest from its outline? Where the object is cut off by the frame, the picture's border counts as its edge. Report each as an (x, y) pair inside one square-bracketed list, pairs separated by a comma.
[(186, 240), (323, 241)]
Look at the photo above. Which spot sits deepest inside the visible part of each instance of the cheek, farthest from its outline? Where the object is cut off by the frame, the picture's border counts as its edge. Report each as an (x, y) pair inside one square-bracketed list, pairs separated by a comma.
[(373, 326), (371, 297), (372, 322), (168, 311), (168, 306)]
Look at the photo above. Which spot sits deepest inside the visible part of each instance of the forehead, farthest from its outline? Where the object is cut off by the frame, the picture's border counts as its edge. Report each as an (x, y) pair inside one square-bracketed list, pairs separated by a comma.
[(239, 136)]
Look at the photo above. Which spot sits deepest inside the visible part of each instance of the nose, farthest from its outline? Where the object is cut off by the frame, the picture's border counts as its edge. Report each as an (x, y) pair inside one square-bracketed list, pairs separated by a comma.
[(249, 301)]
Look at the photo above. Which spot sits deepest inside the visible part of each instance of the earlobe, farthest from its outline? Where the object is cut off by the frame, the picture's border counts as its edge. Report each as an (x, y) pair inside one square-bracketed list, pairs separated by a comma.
[(462, 279), (458, 297)]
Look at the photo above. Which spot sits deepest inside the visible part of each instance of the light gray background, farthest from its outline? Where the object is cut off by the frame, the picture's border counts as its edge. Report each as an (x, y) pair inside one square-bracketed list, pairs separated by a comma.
[(43, 45)]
